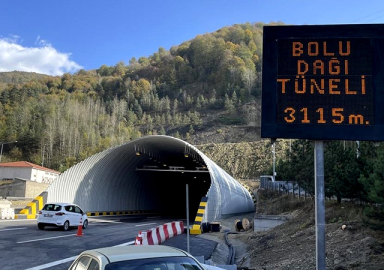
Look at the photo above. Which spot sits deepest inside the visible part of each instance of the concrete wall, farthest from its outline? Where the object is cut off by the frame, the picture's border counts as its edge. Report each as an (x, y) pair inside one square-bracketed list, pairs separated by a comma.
[(266, 222), (21, 188), (34, 189), (43, 176), (16, 188), (12, 172)]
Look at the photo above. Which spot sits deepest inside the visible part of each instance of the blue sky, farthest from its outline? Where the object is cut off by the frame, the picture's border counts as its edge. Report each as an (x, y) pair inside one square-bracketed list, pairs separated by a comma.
[(54, 37)]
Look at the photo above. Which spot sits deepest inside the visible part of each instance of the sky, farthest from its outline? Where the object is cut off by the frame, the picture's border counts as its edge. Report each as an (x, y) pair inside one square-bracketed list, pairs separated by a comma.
[(55, 37)]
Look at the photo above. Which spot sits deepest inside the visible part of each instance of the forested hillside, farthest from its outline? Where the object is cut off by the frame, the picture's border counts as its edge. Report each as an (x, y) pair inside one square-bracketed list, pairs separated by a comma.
[(205, 91), (193, 91)]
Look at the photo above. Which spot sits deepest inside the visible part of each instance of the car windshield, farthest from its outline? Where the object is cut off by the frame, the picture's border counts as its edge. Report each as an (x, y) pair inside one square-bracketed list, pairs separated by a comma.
[(52, 207), (165, 263)]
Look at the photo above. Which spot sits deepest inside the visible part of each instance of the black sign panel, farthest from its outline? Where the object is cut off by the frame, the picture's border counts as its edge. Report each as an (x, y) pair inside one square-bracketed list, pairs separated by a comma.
[(323, 82)]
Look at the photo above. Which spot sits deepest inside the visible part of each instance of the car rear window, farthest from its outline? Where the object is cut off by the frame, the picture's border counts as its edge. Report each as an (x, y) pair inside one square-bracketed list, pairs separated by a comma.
[(52, 207), (165, 263)]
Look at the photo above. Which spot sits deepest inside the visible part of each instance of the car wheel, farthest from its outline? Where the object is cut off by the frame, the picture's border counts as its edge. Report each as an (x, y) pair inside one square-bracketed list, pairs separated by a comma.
[(41, 226), (66, 226), (85, 224)]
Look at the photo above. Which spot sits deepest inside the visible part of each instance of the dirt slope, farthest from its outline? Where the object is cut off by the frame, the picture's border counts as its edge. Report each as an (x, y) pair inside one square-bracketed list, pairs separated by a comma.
[(293, 244)]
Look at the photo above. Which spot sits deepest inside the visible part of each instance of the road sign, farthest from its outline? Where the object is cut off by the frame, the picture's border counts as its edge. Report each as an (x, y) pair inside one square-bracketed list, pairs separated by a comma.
[(323, 82)]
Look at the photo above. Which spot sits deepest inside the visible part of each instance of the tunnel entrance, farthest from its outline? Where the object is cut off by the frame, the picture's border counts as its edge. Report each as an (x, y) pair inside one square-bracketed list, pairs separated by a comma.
[(150, 175), (169, 191)]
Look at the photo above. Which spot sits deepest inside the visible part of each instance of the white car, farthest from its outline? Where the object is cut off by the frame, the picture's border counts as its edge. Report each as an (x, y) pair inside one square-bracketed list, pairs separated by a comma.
[(154, 257), (64, 215)]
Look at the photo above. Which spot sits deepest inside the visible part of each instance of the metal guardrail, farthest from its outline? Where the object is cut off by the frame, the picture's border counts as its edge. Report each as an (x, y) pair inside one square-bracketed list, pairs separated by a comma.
[(283, 187)]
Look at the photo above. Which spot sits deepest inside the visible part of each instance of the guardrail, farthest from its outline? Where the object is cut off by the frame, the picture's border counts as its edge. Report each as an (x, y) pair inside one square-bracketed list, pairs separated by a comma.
[(284, 187)]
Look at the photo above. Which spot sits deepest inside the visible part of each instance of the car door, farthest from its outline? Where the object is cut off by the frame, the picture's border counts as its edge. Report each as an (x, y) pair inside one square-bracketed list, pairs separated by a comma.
[(79, 215), (70, 209)]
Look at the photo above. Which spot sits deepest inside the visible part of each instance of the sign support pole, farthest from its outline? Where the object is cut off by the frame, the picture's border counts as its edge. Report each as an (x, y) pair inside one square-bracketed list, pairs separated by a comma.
[(320, 205), (187, 202)]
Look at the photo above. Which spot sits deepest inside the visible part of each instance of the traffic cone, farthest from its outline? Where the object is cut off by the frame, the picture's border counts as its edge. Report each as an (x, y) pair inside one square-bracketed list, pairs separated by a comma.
[(80, 228), (138, 240)]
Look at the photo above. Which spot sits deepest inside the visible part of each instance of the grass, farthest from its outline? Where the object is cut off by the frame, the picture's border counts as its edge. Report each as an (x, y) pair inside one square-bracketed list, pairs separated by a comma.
[(272, 203)]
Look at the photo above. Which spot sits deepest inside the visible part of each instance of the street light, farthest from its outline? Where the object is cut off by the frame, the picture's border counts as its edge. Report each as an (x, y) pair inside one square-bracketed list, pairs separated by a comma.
[(1, 152)]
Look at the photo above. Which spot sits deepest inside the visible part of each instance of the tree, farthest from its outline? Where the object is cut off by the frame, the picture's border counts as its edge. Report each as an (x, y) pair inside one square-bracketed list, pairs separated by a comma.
[(341, 171), (228, 104), (137, 109), (298, 166), (104, 70), (374, 182), (119, 69), (374, 190), (249, 78)]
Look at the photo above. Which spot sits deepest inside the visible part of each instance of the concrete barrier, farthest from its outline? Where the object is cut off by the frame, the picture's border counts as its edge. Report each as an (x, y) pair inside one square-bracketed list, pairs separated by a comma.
[(161, 233), (266, 222), (7, 213)]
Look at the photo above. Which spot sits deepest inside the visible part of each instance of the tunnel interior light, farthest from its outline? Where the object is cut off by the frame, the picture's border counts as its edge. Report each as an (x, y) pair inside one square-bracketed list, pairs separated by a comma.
[(186, 154), (137, 153)]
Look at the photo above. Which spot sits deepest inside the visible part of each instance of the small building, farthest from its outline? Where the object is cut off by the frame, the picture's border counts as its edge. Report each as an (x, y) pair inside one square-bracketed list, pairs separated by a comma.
[(27, 171)]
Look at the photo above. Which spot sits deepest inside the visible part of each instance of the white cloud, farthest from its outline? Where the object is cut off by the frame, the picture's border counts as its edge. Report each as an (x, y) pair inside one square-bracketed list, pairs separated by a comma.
[(43, 59)]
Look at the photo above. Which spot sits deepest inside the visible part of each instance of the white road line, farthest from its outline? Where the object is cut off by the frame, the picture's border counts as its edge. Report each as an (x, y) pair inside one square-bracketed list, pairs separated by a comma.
[(145, 224), (104, 221), (42, 239), (13, 229), (19, 220), (52, 263), (44, 266), (126, 244)]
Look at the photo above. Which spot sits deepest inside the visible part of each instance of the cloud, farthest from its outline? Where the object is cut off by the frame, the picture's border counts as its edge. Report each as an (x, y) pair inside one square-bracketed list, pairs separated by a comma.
[(43, 58)]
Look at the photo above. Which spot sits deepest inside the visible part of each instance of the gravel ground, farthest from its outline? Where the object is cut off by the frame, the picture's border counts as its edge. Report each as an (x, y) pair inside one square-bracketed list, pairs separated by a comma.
[(220, 256), (349, 243)]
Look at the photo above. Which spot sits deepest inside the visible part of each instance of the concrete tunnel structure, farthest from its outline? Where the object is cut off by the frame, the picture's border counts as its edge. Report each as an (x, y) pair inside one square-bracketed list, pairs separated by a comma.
[(150, 175)]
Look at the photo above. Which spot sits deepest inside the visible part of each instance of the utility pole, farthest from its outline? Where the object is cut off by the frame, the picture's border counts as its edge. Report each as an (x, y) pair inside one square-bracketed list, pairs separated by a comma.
[(2, 144)]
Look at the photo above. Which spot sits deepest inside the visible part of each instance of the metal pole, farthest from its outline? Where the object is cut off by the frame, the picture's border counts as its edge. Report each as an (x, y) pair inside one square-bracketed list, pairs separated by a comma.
[(274, 161), (187, 218), (320, 205), (1, 152)]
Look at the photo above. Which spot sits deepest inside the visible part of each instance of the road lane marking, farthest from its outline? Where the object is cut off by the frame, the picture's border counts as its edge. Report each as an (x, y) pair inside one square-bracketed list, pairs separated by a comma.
[(42, 239), (126, 244), (104, 221), (44, 266), (17, 220), (145, 224), (12, 229), (52, 264)]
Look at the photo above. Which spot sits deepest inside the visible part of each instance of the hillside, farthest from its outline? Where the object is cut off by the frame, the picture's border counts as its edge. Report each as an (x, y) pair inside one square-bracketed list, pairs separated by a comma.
[(205, 90), (19, 78), (292, 245)]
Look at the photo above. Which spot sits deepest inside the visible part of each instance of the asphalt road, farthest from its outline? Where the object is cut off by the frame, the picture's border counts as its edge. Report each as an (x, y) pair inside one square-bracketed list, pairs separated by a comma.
[(24, 246)]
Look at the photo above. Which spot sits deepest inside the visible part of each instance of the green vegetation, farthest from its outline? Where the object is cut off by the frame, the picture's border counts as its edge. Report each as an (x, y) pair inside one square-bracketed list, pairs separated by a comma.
[(211, 83), (201, 83), (352, 171)]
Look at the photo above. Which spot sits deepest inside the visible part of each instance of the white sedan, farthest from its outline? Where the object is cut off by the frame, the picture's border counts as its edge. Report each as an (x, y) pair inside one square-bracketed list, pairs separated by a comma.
[(63, 215), (156, 257)]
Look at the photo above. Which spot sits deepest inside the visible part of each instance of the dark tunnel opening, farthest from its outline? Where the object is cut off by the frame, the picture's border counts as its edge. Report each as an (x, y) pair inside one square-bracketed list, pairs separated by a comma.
[(169, 191)]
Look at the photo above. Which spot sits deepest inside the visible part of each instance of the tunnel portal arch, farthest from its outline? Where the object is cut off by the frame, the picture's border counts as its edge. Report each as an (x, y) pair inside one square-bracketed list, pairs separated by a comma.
[(150, 174)]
